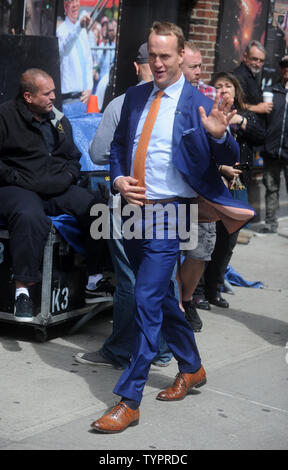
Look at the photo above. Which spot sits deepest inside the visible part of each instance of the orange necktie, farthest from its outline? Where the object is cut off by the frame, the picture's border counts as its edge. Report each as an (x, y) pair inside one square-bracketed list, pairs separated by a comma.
[(140, 154)]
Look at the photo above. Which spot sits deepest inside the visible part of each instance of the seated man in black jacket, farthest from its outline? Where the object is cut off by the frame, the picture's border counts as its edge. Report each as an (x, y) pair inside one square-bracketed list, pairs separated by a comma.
[(39, 168)]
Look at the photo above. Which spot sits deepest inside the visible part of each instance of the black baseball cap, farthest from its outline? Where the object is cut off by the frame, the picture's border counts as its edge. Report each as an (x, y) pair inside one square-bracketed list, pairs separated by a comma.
[(142, 55)]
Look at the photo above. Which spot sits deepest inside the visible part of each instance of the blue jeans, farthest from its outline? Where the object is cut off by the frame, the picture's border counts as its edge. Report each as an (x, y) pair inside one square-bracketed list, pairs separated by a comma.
[(118, 346)]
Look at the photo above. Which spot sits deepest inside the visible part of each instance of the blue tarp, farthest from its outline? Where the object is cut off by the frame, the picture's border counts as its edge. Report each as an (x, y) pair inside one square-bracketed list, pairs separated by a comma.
[(236, 279), (69, 229), (84, 127)]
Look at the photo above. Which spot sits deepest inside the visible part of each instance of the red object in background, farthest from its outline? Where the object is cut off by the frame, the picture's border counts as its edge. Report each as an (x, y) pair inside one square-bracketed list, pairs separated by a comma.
[(92, 3), (92, 106)]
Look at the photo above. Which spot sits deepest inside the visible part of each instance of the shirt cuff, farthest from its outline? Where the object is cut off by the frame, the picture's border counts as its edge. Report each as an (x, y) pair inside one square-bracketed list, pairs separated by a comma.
[(117, 177), (221, 140)]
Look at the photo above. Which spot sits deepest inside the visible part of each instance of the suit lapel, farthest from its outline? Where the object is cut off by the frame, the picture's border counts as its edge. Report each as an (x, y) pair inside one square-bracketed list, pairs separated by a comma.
[(138, 106), (184, 112), (179, 120)]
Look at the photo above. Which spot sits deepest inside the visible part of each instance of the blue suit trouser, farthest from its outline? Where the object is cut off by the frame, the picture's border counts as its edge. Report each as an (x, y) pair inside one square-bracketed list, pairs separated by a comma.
[(156, 309), (118, 346)]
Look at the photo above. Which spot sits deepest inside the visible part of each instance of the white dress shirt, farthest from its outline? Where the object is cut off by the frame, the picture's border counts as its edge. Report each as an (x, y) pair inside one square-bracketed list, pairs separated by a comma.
[(72, 78), (162, 179)]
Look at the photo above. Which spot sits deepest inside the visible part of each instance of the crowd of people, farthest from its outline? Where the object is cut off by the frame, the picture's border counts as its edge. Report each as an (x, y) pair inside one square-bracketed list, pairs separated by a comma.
[(171, 142), (87, 54)]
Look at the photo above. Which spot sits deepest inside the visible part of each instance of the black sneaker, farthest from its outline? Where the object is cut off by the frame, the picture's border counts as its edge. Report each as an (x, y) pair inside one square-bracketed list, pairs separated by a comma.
[(103, 292), (201, 302), (23, 309), (95, 359), (192, 316)]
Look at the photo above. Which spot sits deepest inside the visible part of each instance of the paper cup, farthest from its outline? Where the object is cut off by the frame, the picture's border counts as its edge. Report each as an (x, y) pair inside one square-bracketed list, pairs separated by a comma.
[(268, 97)]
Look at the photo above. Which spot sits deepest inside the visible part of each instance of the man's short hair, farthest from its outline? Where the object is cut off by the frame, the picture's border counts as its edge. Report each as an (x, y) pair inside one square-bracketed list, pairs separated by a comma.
[(257, 44), (192, 46), (28, 79), (165, 28)]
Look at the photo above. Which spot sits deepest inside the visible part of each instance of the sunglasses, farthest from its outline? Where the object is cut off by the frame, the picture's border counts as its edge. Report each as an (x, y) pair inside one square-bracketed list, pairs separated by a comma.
[(283, 63)]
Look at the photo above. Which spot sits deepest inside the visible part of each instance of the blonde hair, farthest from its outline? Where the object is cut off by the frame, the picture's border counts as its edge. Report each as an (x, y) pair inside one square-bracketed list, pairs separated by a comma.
[(192, 46)]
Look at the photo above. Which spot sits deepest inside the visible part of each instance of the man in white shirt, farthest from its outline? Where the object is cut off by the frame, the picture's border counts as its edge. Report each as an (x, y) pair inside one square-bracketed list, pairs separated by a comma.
[(76, 64), (179, 164)]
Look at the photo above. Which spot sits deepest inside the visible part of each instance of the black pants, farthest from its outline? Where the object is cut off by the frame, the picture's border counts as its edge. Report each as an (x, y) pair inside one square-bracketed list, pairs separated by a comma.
[(212, 280), (25, 213), (272, 182)]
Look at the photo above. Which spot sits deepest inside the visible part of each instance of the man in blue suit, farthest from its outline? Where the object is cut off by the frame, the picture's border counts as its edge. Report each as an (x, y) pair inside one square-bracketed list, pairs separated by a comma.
[(189, 138)]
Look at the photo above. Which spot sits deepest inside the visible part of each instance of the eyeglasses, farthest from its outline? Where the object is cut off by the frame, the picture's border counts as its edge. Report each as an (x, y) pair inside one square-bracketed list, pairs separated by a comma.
[(256, 59)]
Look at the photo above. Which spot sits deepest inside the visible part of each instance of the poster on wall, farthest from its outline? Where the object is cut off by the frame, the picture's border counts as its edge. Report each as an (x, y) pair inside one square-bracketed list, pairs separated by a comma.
[(277, 41), (279, 21), (243, 20), (87, 53), (240, 21), (29, 17)]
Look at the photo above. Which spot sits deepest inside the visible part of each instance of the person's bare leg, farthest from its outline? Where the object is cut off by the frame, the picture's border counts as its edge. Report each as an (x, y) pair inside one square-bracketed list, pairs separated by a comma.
[(190, 274), (19, 284)]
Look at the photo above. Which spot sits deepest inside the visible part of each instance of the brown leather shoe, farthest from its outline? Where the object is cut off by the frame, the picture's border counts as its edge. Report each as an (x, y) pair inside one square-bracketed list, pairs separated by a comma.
[(118, 419), (182, 384)]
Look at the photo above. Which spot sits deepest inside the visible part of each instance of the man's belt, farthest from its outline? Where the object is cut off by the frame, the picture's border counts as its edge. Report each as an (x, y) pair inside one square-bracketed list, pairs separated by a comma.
[(160, 201), (74, 95), (171, 199), (190, 200)]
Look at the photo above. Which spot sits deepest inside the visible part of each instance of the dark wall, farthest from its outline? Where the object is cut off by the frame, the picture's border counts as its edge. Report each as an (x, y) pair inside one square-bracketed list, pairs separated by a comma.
[(275, 48), (18, 53), (134, 23), (40, 17)]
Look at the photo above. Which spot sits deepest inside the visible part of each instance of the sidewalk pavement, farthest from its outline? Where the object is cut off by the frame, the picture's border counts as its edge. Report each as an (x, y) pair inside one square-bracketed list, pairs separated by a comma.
[(48, 400)]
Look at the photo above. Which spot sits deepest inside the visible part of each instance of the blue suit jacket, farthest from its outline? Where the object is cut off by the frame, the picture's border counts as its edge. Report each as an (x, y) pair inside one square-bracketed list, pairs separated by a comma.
[(195, 154)]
